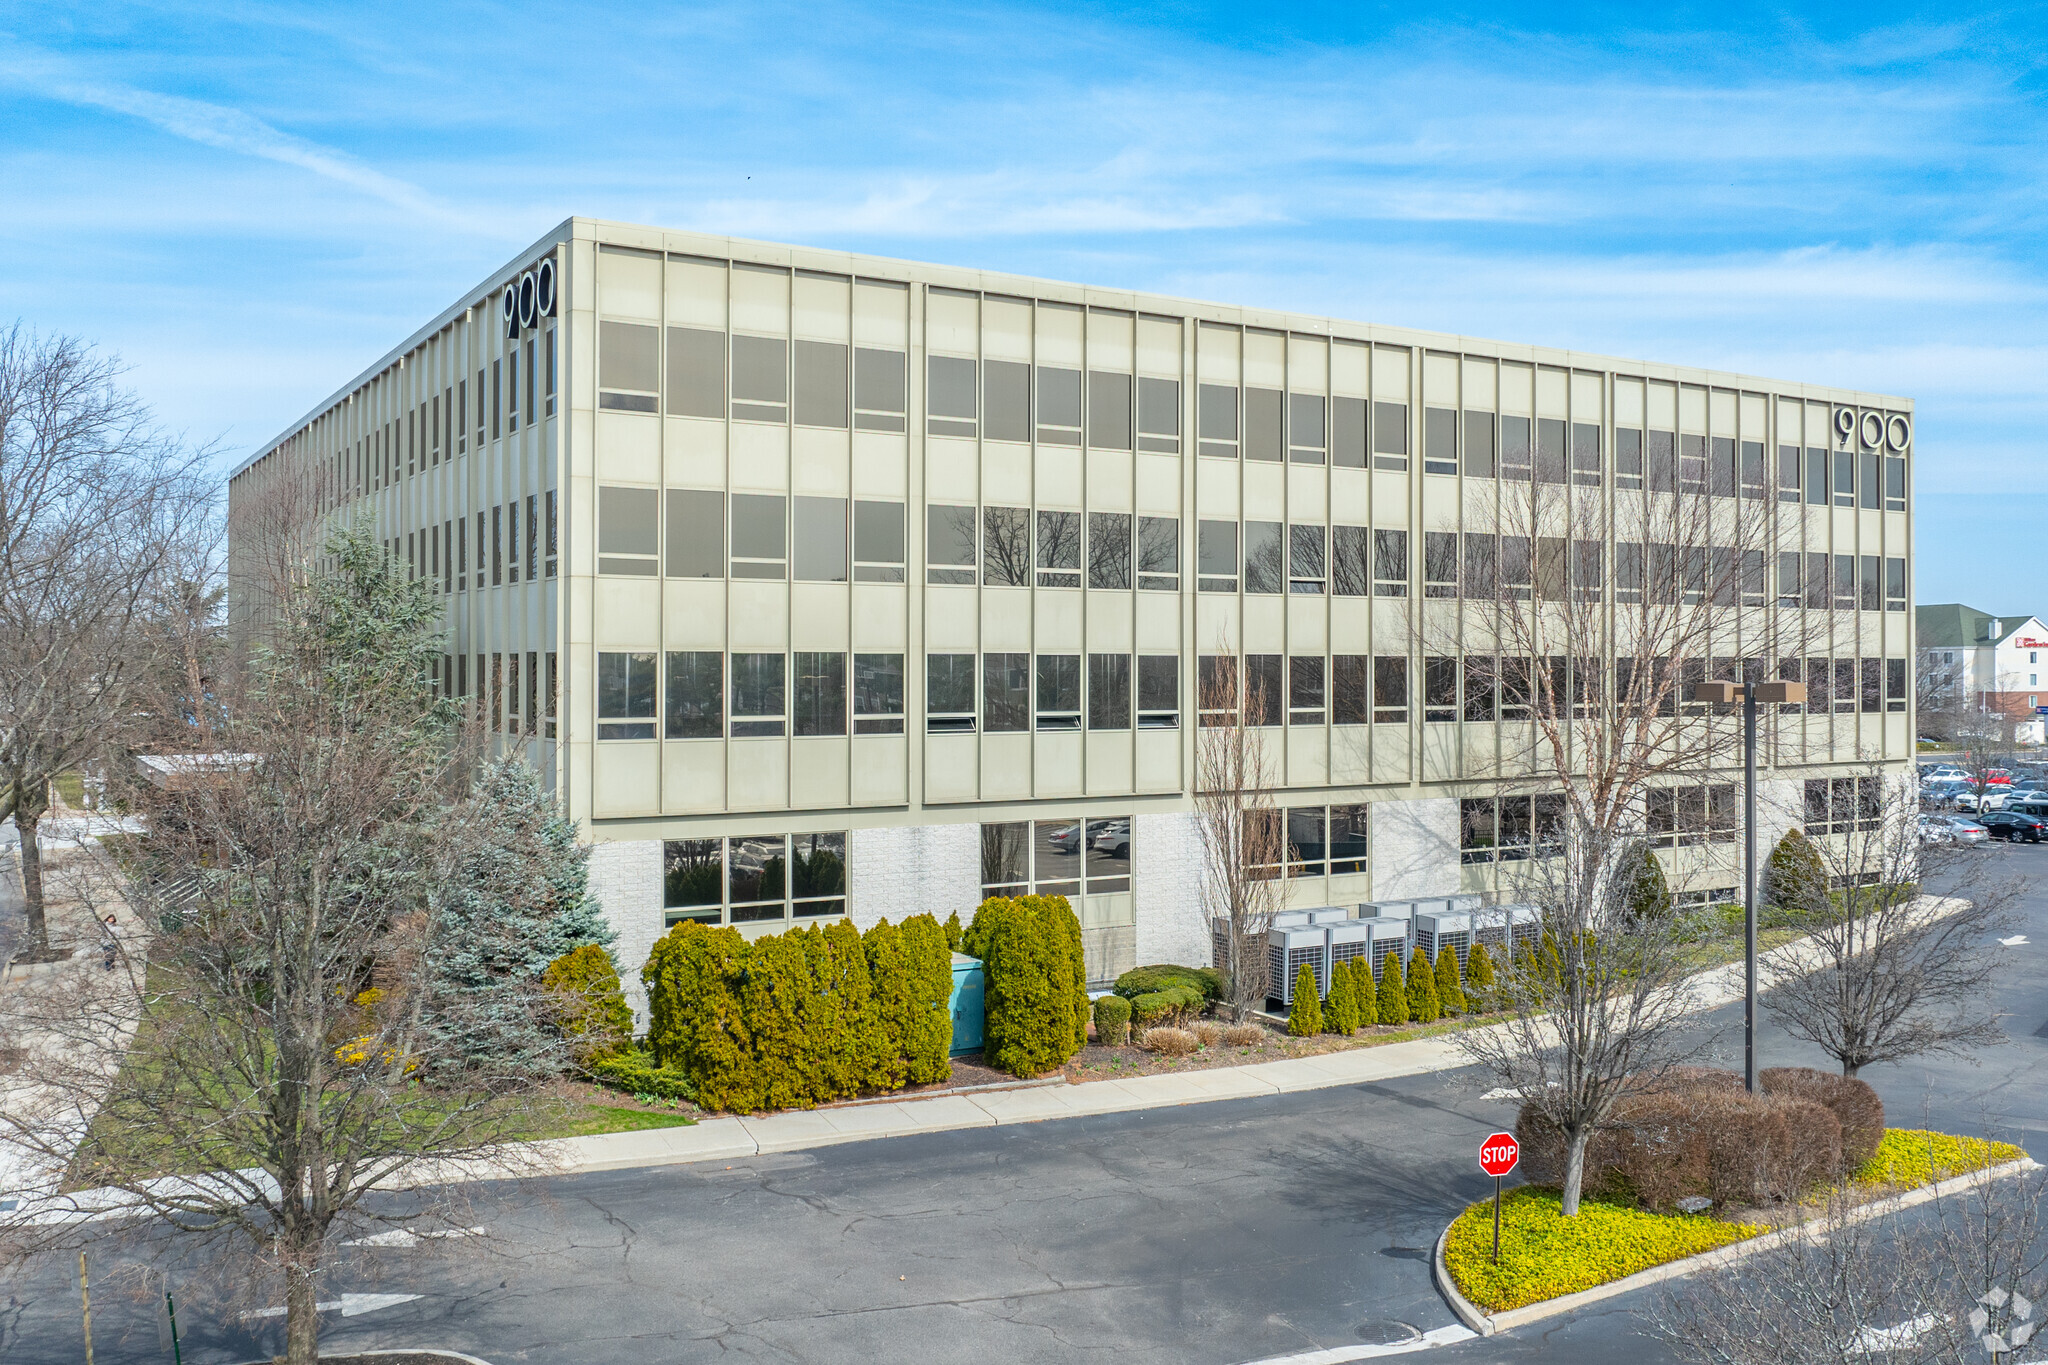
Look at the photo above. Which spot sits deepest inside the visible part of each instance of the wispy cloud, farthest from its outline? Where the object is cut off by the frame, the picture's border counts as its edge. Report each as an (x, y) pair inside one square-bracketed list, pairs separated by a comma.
[(226, 129)]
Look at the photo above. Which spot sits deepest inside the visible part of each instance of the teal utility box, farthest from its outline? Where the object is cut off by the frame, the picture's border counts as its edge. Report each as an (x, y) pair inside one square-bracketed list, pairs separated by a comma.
[(968, 1005)]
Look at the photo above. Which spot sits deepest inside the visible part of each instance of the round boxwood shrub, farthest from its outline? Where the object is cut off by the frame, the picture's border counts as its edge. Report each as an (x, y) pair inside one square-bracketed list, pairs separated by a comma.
[(1112, 1021), (588, 1004), (1795, 878), (1161, 975), (1169, 1008), (1854, 1104), (1305, 1015)]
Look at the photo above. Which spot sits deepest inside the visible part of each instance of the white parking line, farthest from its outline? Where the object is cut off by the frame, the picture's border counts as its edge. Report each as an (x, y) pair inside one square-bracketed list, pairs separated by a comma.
[(406, 1237), (1338, 1355), (349, 1304)]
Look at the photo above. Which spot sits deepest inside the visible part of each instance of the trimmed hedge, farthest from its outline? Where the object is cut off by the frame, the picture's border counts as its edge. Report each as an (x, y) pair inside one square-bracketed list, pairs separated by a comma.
[(635, 1073), (1854, 1104), (796, 1019), (1112, 1021), (1305, 1015), (588, 1004), (1037, 981), (1162, 975), (1169, 1008)]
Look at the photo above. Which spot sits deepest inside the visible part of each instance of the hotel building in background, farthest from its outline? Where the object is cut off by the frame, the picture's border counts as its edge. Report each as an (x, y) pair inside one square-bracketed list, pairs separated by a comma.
[(828, 584)]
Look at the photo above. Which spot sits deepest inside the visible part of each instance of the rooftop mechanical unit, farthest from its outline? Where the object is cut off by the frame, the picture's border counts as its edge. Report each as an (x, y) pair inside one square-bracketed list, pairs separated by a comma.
[(1290, 949)]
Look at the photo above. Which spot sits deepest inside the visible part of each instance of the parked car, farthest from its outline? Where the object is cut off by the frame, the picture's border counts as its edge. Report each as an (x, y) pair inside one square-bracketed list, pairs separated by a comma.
[(1951, 829), (1931, 772), (1066, 839), (1115, 839), (2028, 803), (1991, 798), (2014, 827)]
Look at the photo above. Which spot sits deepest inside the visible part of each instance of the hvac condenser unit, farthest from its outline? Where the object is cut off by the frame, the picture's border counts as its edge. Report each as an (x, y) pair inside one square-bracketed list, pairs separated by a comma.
[(1352, 938), (1329, 914), (1465, 902), (1389, 935), (1291, 919), (1386, 909), (1434, 933), (1506, 928), (1288, 951), (1434, 905)]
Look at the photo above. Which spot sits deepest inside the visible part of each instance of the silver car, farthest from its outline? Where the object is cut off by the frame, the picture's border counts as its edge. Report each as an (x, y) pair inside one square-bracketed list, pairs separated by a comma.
[(1951, 829)]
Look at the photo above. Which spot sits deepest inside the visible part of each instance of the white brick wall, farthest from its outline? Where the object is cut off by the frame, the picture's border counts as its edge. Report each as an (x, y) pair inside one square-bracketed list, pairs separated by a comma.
[(896, 871), (1414, 848), (1167, 889), (625, 876)]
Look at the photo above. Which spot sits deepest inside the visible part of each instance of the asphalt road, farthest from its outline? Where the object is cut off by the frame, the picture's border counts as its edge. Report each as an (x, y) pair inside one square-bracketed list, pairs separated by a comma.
[(1217, 1233)]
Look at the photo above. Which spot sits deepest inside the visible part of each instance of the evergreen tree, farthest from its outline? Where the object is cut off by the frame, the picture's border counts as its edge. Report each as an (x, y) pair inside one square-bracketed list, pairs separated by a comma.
[(1649, 893), (520, 899), (1450, 984), (1366, 996), (1340, 1011), (1305, 1015), (1423, 1007), (1795, 878), (1393, 992), (1479, 972), (954, 933)]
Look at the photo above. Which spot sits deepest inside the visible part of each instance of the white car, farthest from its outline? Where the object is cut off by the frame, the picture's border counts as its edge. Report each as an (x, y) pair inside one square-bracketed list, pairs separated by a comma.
[(1992, 798)]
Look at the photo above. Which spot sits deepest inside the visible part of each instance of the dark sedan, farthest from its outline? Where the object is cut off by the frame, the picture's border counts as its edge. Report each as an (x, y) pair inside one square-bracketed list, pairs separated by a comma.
[(2011, 825)]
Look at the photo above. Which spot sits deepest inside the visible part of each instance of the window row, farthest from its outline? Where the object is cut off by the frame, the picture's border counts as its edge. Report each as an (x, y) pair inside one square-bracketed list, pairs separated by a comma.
[(441, 426), (443, 552), (753, 378), (1015, 547), (1301, 428), (1059, 857), (1842, 478), (685, 533), (1346, 561), (1838, 805), (709, 695), (1308, 841), (1018, 692), (1302, 689), (515, 699), (1683, 817), (1848, 583), (1013, 401), (752, 879), (1487, 687), (1509, 828)]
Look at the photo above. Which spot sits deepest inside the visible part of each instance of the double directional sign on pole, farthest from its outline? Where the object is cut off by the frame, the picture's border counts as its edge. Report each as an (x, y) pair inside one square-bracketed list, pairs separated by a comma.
[(1497, 1156)]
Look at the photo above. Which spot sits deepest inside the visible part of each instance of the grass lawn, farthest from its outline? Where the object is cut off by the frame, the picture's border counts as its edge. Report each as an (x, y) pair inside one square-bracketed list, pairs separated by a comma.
[(1544, 1255)]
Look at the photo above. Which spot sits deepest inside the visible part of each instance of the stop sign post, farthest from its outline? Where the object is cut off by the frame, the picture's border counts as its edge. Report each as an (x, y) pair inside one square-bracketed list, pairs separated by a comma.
[(1497, 1156)]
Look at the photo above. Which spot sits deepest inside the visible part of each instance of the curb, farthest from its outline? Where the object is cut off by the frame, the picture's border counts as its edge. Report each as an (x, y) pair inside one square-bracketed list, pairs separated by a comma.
[(1489, 1324)]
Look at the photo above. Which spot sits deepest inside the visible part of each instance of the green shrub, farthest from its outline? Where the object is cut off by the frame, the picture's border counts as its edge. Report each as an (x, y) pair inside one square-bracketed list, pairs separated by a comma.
[(1393, 992), (695, 1021), (635, 1073), (1363, 993), (924, 1027), (1036, 990), (1145, 980), (1649, 896), (1169, 1008), (1450, 983), (1112, 1021), (1795, 878), (1340, 1011), (1305, 1015), (1423, 1005), (1479, 979), (589, 1007), (953, 932), (1916, 1156)]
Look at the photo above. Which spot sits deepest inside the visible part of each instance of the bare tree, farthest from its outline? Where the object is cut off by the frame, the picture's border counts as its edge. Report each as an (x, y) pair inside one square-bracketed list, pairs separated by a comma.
[(1921, 1286), (288, 1048), (103, 519), (1006, 547), (1889, 972), (1244, 842), (1597, 1012)]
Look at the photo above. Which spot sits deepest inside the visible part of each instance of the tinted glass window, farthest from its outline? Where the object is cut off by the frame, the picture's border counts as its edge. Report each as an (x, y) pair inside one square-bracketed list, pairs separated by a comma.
[(696, 534), (696, 372)]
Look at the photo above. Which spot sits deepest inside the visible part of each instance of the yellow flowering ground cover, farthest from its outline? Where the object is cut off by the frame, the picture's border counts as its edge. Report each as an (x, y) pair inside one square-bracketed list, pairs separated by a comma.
[(1916, 1156), (1544, 1255)]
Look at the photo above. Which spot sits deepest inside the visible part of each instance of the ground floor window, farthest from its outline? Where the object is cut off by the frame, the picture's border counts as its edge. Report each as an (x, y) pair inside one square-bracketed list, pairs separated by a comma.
[(1508, 828), (754, 879), (1698, 813), (1070, 857), (1313, 841)]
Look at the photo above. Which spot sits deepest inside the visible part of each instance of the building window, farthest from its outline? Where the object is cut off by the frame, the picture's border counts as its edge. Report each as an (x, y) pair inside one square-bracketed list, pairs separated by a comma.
[(1109, 691), (1390, 563), (760, 878), (1216, 556), (878, 389), (820, 703), (1159, 415), (553, 543), (1439, 441), (758, 695), (1109, 549), (1347, 432), (760, 379), (1262, 424), (1306, 693), (1059, 406), (625, 695), (821, 384), (696, 533), (878, 694), (696, 695), (1390, 689), (949, 396), (1390, 436), (1508, 828), (1159, 554), (1307, 559), (877, 542), (949, 544), (1059, 692), (1109, 410), (628, 533), (1440, 563), (1005, 693), (1070, 857), (820, 540), (1216, 420), (760, 538), (1679, 817), (949, 693), (1306, 437), (1158, 691), (1838, 805), (628, 368)]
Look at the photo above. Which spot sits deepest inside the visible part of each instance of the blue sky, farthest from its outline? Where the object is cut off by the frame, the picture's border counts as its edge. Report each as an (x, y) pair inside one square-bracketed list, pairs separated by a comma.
[(249, 202)]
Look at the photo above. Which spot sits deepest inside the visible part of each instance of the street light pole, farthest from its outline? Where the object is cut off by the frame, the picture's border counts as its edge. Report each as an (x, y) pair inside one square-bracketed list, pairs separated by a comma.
[(1749, 693)]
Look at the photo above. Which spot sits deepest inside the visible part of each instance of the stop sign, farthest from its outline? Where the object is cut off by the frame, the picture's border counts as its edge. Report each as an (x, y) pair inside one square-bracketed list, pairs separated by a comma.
[(1499, 1153)]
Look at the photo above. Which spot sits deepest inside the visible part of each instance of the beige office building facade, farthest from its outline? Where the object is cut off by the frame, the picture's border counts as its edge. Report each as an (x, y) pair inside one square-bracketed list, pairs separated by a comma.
[(827, 584)]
